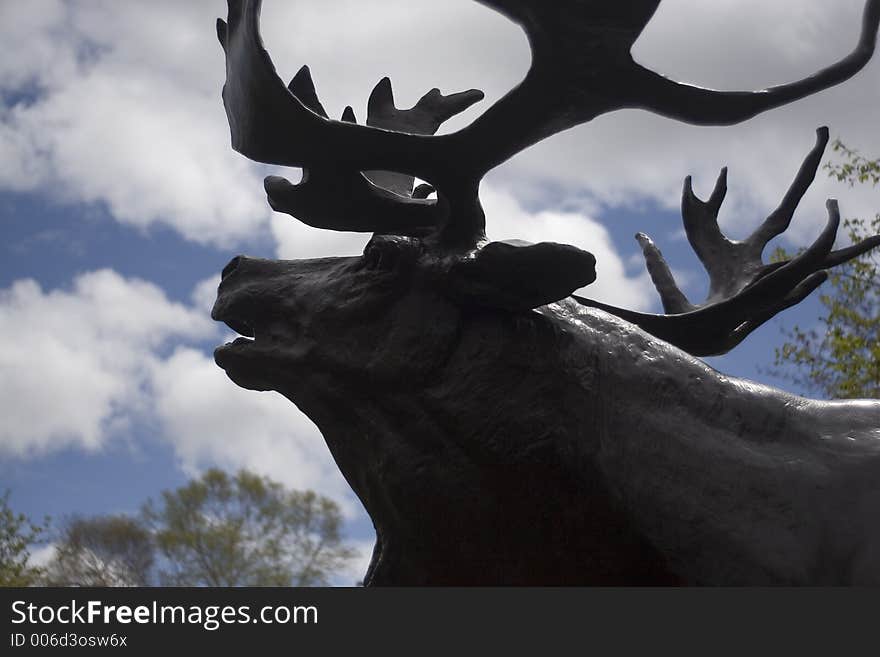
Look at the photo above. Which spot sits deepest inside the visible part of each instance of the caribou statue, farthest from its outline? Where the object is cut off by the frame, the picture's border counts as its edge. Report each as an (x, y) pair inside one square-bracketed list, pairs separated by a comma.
[(498, 428)]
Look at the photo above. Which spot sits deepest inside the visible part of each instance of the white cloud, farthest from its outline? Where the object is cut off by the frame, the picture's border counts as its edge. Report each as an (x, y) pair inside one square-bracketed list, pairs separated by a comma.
[(127, 113), (295, 239), (72, 366), (205, 293), (39, 51)]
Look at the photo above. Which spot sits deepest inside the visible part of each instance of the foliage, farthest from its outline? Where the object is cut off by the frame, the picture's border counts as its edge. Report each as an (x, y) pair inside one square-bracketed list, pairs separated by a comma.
[(840, 358), (245, 531), (17, 533), (112, 550), (855, 169)]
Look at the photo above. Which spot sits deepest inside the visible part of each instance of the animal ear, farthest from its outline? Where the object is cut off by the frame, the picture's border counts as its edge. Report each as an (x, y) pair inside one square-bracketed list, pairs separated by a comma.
[(520, 276)]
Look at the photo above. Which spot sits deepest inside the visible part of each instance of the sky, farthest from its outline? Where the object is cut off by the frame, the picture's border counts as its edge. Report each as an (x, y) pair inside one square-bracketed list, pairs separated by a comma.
[(121, 200)]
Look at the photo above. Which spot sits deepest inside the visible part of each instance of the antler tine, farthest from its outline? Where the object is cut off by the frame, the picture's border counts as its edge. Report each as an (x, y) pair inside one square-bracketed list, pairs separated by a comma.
[(715, 251), (852, 252), (732, 266), (336, 199), (269, 124), (744, 293), (348, 115), (377, 201), (813, 259), (700, 219), (287, 125), (673, 299), (303, 88), (700, 106), (780, 219), (775, 292), (424, 118)]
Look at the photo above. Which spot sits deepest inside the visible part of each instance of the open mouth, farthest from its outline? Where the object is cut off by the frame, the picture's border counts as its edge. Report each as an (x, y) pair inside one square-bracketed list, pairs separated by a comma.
[(247, 335), (236, 347), (253, 336), (240, 358), (250, 359), (249, 305)]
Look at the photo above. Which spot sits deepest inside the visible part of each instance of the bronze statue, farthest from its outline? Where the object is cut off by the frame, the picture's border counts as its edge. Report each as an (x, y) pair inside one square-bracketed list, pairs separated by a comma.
[(498, 429)]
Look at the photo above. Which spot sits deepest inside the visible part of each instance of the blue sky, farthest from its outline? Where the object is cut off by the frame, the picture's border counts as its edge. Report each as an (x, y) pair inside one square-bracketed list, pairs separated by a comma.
[(121, 201)]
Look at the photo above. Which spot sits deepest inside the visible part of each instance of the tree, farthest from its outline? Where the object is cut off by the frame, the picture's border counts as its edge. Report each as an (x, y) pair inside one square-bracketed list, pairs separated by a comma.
[(245, 531), (841, 357), (112, 550), (17, 533)]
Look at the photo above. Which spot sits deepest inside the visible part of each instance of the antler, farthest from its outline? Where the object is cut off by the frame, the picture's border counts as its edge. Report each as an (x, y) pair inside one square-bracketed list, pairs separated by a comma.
[(743, 291), (277, 124), (581, 68), (380, 201)]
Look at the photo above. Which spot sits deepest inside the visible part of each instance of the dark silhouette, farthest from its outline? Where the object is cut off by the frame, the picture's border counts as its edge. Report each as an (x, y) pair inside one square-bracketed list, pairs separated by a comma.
[(496, 428)]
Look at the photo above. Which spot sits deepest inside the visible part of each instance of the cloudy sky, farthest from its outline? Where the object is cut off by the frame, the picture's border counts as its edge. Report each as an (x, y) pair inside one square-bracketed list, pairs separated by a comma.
[(121, 200)]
